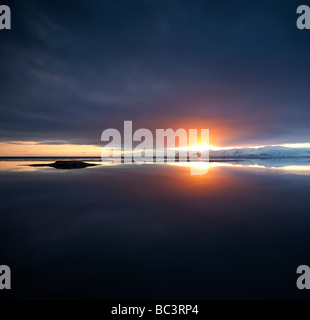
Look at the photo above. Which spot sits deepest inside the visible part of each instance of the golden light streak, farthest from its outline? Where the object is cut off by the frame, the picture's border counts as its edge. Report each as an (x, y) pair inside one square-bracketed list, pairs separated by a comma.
[(33, 149), (37, 149)]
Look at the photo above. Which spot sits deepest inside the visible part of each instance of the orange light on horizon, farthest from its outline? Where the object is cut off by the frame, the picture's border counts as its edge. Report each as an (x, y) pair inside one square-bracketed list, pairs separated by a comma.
[(37, 149), (33, 149)]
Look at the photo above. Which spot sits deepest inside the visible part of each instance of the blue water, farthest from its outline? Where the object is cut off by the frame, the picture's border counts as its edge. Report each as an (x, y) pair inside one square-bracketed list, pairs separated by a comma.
[(154, 231)]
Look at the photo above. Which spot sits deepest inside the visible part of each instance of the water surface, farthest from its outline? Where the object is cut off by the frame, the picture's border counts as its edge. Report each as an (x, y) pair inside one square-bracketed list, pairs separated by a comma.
[(155, 231)]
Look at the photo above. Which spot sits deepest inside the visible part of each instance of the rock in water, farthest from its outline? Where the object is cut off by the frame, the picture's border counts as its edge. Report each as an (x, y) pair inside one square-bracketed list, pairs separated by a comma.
[(72, 164)]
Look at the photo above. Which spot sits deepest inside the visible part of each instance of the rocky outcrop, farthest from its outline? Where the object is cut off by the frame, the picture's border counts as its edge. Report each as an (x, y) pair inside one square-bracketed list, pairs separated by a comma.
[(72, 164)]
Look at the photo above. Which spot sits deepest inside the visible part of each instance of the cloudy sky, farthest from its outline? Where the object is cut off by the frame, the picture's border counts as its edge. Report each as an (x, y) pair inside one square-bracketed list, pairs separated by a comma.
[(70, 69)]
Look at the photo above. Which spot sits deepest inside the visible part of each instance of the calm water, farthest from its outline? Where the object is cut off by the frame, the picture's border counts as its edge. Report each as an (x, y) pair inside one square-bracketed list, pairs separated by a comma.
[(155, 231)]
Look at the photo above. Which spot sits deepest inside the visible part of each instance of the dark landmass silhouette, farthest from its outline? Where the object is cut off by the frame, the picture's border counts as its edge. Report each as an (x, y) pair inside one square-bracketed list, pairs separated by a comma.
[(72, 164)]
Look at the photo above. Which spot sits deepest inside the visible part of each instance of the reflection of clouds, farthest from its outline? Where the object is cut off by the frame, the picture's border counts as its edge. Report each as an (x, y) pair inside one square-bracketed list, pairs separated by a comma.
[(291, 169), (300, 170), (197, 168), (20, 166)]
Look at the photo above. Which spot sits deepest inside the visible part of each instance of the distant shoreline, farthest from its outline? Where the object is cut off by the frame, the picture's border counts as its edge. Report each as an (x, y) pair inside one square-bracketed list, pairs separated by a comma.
[(211, 159)]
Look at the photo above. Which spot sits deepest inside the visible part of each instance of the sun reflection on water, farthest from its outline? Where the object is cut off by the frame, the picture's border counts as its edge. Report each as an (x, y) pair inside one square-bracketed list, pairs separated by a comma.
[(196, 168)]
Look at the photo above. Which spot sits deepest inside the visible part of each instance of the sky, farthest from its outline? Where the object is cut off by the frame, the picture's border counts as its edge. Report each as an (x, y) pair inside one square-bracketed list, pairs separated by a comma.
[(71, 69)]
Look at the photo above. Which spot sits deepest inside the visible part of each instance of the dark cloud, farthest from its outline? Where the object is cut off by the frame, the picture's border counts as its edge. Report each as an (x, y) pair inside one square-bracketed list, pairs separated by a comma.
[(70, 69)]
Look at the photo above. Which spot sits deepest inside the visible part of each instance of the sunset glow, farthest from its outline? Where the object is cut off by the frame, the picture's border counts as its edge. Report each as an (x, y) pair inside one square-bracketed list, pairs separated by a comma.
[(37, 149), (34, 149)]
